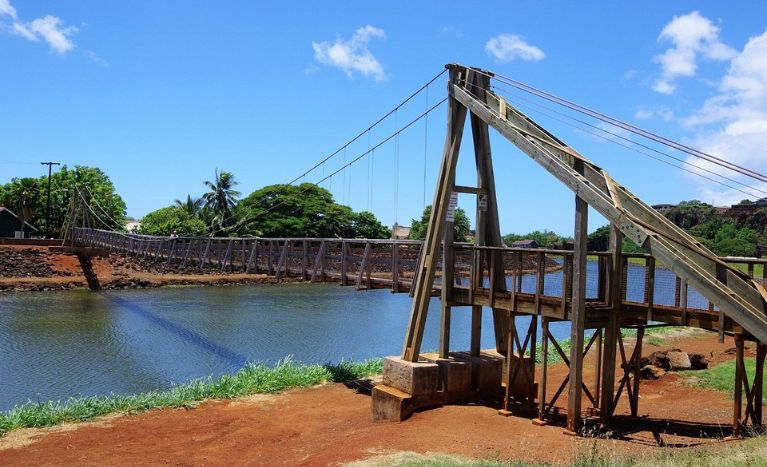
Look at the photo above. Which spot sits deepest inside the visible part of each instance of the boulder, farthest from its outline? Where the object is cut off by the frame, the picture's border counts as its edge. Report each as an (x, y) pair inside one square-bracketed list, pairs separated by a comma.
[(698, 361), (651, 372), (678, 360), (660, 360)]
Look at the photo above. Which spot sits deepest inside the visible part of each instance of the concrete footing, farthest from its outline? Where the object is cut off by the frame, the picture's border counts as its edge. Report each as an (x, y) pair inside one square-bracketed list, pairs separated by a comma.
[(432, 381)]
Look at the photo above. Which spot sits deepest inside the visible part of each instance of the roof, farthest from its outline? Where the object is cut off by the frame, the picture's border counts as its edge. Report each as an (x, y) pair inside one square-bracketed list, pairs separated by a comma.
[(525, 242), (17, 217)]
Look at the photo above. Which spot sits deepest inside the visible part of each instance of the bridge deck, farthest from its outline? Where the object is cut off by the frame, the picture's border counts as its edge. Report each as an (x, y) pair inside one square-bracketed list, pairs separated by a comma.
[(534, 277)]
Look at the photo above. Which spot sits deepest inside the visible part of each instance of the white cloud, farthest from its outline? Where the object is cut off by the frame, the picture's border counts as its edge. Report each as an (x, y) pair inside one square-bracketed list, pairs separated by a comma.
[(661, 113), (732, 125), (49, 28), (691, 35), (96, 58), (7, 9), (507, 47), (352, 55)]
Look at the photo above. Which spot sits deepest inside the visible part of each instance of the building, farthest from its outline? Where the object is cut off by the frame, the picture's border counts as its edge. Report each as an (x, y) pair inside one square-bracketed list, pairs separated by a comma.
[(132, 226), (525, 244), (10, 224), (399, 232)]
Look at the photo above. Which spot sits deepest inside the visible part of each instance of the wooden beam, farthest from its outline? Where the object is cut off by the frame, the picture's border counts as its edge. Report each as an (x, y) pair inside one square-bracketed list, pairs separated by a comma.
[(424, 276), (578, 317)]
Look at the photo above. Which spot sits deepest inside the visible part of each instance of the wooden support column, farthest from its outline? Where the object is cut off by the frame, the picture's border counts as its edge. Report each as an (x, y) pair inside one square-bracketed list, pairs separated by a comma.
[(578, 312), (344, 258), (448, 275), (615, 299), (424, 274), (740, 376)]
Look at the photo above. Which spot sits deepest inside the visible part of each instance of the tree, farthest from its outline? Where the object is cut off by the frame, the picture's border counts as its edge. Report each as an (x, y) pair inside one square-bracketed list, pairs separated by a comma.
[(165, 221), (221, 200), (306, 210), (192, 205), (366, 225), (22, 195), (544, 238), (94, 183), (461, 226)]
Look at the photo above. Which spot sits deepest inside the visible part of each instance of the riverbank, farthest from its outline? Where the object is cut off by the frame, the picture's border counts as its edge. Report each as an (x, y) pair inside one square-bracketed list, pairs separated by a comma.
[(35, 268), (330, 424)]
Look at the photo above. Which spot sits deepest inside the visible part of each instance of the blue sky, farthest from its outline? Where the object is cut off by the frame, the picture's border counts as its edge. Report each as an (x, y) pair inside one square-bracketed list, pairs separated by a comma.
[(160, 94)]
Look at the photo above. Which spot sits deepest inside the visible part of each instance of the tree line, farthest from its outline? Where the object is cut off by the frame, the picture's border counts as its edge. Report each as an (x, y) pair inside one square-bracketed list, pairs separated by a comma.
[(281, 210), (27, 198)]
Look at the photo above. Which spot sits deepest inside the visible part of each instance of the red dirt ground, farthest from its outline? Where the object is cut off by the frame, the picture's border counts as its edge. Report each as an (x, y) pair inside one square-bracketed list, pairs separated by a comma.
[(331, 424)]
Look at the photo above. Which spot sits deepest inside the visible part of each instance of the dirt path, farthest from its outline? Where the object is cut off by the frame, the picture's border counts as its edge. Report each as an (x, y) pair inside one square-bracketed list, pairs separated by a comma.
[(331, 424)]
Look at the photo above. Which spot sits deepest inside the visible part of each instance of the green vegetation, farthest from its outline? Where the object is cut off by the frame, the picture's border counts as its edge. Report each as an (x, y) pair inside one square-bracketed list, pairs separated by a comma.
[(752, 452), (254, 378), (27, 197), (544, 238), (731, 232), (721, 377), (173, 219), (306, 210), (461, 226)]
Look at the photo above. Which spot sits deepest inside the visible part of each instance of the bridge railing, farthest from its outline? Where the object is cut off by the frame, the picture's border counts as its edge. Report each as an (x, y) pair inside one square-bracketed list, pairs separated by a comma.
[(543, 277)]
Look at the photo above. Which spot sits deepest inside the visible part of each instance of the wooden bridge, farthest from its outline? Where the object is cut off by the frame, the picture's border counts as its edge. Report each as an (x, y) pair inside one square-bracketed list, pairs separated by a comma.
[(677, 281)]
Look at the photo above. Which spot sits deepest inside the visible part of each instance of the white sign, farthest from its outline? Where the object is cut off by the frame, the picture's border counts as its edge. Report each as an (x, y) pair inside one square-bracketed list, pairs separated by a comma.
[(482, 202), (451, 207)]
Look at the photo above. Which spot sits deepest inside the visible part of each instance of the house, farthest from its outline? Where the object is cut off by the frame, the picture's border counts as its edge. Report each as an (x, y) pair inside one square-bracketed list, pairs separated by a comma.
[(10, 224), (132, 226), (399, 232), (525, 244)]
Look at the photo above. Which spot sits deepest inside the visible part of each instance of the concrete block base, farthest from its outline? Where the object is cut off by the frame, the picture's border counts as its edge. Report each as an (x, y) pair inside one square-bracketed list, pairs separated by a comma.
[(432, 381)]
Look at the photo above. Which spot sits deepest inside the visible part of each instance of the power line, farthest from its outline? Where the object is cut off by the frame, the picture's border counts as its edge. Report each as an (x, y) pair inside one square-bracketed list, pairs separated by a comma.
[(657, 151), (627, 126), (362, 133)]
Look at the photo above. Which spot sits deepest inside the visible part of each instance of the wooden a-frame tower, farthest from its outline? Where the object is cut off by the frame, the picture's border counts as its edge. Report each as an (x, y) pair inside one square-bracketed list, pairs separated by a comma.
[(416, 380)]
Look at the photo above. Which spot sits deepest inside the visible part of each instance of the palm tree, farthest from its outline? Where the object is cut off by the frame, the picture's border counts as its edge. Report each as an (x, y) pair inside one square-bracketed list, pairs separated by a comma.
[(192, 205), (221, 199)]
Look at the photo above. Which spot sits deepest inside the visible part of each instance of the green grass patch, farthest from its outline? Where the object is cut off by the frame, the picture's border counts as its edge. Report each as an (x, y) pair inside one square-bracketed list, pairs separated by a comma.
[(254, 378), (721, 377), (751, 452)]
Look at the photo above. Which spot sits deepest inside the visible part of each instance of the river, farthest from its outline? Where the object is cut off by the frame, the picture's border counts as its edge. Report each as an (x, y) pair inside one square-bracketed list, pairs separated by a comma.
[(56, 345)]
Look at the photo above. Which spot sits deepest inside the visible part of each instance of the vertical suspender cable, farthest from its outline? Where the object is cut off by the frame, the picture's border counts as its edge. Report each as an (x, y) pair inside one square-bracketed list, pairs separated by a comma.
[(396, 166), (425, 147)]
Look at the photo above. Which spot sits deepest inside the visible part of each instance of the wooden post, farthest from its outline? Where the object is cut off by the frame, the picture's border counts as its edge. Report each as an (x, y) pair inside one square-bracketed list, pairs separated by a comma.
[(304, 258), (424, 275), (761, 352), (544, 369), (578, 311), (636, 366), (394, 266), (344, 269), (448, 276), (740, 375), (615, 297)]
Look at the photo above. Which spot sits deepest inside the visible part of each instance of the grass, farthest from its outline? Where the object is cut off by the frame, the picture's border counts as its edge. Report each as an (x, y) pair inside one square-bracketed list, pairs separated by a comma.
[(751, 452), (254, 378), (653, 336), (721, 377)]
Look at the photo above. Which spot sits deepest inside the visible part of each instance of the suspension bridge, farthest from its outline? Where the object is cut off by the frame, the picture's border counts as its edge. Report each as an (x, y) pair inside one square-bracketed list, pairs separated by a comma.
[(598, 293)]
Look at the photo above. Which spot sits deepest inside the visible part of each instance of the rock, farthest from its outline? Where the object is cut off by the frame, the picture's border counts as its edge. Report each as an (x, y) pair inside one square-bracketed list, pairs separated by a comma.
[(698, 361), (651, 372), (660, 360), (678, 360)]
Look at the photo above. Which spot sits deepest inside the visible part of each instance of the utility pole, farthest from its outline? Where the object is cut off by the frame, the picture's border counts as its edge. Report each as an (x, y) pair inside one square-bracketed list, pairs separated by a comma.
[(48, 203)]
